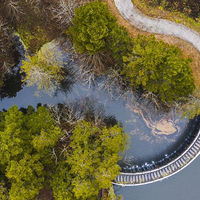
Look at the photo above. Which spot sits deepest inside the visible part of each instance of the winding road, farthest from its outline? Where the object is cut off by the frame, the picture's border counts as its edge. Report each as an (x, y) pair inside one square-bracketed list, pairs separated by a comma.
[(159, 26)]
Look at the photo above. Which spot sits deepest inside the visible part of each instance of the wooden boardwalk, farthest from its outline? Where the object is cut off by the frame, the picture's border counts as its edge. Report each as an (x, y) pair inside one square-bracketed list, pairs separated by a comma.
[(147, 176)]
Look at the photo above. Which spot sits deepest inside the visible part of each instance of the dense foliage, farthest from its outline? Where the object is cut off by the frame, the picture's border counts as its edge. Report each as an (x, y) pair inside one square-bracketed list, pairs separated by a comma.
[(91, 162), (190, 7), (95, 29), (26, 141), (159, 68), (85, 160)]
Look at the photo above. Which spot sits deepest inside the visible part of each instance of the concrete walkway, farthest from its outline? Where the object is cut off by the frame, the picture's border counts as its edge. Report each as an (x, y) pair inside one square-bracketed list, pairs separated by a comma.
[(159, 26)]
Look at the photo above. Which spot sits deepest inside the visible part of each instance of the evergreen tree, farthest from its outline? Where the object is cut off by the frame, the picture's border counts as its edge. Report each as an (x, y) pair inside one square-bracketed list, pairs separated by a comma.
[(159, 68), (25, 144), (91, 162), (87, 164), (95, 29)]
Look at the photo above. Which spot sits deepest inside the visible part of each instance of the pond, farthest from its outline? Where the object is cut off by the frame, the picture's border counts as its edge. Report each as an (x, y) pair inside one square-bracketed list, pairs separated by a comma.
[(181, 186), (153, 133)]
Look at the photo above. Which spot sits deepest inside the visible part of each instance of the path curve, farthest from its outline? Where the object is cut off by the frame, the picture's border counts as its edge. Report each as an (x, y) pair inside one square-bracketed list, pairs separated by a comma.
[(158, 174), (159, 26)]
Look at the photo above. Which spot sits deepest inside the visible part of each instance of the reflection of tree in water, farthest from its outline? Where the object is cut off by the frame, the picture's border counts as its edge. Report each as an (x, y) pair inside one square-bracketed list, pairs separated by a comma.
[(12, 79), (66, 85), (12, 84), (88, 109), (151, 121)]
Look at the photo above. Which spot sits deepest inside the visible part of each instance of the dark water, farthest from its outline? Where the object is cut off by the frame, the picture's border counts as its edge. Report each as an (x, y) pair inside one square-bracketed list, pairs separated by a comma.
[(144, 147), (181, 186), (140, 119)]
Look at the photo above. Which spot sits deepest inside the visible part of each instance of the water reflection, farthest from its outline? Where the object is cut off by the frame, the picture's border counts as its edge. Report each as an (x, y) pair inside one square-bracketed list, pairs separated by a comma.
[(87, 108), (12, 80), (12, 84), (155, 135)]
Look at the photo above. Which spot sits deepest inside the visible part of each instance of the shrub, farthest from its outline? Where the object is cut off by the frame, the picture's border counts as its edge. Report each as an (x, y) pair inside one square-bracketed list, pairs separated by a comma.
[(159, 68), (95, 30)]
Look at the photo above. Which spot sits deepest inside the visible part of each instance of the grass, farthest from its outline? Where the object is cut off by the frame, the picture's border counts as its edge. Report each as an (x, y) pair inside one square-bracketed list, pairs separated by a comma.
[(159, 12), (188, 49)]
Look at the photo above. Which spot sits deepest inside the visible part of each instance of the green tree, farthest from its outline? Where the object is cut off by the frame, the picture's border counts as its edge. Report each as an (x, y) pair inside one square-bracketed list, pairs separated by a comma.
[(95, 29), (86, 165), (3, 191), (91, 162), (26, 176), (25, 144), (159, 68)]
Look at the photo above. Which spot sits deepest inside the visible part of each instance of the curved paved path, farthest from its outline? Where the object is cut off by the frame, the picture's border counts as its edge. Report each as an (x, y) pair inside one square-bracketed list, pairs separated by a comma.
[(159, 26), (158, 174)]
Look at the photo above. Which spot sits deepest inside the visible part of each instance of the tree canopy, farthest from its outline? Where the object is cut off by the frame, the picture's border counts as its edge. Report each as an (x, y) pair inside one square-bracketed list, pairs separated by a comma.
[(85, 161), (26, 141), (44, 69), (95, 29), (159, 68), (90, 163)]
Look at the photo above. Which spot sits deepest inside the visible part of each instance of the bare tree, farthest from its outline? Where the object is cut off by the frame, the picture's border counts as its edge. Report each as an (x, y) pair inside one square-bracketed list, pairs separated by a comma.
[(191, 108), (63, 11), (45, 69), (6, 48), (11, 9)]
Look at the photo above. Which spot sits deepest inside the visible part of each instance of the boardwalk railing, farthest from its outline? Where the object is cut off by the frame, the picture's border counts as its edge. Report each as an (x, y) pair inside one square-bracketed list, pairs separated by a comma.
[(160, 26), (158, 174)]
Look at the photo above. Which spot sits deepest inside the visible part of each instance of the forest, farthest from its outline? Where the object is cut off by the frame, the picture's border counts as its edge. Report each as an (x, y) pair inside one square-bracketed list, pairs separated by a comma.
[(50, 148)]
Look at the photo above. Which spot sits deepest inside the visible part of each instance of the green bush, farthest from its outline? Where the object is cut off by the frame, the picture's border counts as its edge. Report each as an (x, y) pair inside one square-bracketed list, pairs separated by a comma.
[(26, 142), (91, 162), (159, 68), (95, 30)]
